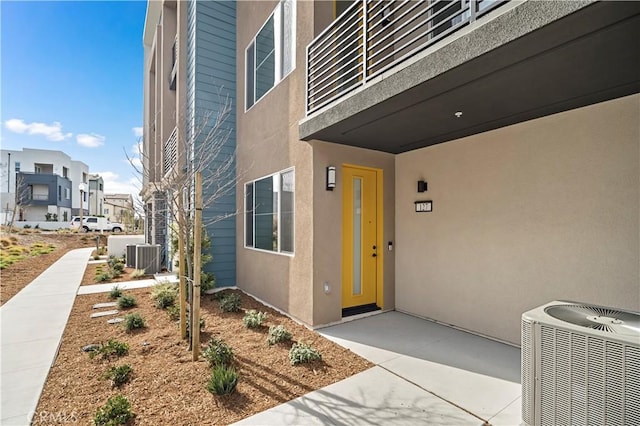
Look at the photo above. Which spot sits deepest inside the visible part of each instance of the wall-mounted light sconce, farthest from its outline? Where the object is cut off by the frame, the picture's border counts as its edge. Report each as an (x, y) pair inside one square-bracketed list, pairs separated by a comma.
[(422, 186), (331, 178)]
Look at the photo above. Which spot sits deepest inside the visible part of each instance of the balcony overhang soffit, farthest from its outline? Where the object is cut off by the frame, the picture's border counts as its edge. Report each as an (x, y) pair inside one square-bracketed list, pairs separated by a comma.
[(587, 56)]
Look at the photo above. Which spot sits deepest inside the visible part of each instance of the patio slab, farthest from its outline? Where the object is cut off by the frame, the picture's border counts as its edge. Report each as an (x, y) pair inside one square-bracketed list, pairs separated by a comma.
[(373, 397), (478, 374), (425, 373)]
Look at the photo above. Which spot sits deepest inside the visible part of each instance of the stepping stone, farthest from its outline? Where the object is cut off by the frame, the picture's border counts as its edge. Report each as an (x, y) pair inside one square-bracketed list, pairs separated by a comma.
[(103, 314), (105, 305), (115, 320), (91, 347)]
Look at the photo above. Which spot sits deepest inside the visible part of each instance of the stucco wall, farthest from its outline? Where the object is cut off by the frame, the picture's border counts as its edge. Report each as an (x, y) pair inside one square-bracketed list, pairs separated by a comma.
[(327, 226), (543, 210), (267, 142)]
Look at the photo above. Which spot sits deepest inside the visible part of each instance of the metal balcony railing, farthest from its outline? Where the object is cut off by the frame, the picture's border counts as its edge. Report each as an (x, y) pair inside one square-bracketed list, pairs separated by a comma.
[(372, 36), (170, 155)]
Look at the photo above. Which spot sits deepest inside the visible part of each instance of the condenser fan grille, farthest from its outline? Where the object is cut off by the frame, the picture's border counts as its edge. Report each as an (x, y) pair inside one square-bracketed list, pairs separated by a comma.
[(598, 318)]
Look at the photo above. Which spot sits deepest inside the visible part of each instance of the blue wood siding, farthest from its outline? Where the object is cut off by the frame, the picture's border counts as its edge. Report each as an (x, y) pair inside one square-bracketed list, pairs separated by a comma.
[(211, 80)]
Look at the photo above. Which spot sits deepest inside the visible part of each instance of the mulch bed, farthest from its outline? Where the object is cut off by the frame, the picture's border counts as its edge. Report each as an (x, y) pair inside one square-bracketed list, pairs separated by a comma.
[(168, 388), (89, 277)]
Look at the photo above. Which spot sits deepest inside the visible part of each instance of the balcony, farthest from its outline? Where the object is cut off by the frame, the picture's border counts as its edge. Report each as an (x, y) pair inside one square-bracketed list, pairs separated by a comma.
[(373, 36), (401, 75), (170, 154)]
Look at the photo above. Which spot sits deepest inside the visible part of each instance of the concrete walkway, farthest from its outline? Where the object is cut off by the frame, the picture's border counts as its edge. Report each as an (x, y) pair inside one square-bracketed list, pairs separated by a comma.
[(425, 373), (32, 323)]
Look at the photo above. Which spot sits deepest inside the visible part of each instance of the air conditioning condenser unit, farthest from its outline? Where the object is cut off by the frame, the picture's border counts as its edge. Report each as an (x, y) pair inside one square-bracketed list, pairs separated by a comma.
[(148, 258), (580, 365)]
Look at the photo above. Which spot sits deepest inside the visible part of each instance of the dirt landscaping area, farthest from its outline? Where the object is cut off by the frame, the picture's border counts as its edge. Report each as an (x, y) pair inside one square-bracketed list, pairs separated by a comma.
[(16, 276), (167, 386)]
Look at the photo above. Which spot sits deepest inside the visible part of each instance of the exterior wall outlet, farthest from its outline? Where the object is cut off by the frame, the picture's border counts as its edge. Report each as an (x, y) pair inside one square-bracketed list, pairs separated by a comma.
[(327, 287)]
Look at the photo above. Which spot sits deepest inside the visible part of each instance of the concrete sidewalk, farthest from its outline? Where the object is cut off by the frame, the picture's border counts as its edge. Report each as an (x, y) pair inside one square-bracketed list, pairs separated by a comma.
[(32, 324), (425, 373)]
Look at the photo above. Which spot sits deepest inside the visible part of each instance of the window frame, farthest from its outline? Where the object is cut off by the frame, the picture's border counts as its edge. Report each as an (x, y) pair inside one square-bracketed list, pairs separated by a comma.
[(277, 15), (279, 213)]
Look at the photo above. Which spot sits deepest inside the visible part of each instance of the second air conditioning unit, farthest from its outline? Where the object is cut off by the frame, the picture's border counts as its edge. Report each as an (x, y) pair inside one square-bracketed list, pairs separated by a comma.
[(580, 365), (148, 258), (130, 259)]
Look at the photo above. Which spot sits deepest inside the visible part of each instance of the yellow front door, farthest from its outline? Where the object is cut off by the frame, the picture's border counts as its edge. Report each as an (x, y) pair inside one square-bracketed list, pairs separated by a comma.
[(360, 238)]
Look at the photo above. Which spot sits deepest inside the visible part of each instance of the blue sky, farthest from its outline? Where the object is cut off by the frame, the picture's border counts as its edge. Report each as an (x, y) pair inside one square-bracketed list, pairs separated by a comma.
[(71, 80)]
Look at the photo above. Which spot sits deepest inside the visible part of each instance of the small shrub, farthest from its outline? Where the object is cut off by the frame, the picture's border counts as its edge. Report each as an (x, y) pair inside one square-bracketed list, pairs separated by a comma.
[(103, 276), (173, 312), (218, 353), (278, 334), (126, 301), (118, 267), (164, 295), (254, 319), (111, 349), (137, 273), (118, 375), (223, 380), (133, 321), (207, 282), (230, 303), (115, 292), (96, 257), (302, 352), (117, 411), (40, 248)]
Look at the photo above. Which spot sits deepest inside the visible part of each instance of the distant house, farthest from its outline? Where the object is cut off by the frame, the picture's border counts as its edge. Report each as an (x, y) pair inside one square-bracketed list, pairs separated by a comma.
[(119, 208), (96, 195), (463, 161), (47, 184)]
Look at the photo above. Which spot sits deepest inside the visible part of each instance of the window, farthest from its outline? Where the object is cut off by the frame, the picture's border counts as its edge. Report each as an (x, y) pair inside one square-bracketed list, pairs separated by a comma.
[(59, 193), (17, 166), (106, 211), (67, 193), (271, 54), (269, 212), (65, 172)]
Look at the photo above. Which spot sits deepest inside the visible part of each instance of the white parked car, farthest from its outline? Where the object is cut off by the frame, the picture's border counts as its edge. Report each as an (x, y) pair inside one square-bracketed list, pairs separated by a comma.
[(75, 222), (94, 223)]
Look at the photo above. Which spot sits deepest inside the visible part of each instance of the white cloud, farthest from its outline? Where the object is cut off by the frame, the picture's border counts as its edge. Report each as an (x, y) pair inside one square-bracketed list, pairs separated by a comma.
[(52, 132), (137, 131), (90, 140)]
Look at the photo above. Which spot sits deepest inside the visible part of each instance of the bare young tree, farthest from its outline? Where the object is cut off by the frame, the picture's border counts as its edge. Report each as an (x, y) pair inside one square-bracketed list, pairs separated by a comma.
[(22, 200), (204, 152)]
